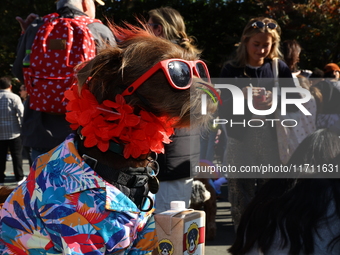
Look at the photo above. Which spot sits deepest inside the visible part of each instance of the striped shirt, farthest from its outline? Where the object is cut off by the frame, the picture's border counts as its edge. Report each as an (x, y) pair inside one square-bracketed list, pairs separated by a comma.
[(11, 114)]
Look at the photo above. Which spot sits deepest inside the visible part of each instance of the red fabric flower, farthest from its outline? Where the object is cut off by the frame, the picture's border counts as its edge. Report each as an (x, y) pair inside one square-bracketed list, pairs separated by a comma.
[(116, 121)]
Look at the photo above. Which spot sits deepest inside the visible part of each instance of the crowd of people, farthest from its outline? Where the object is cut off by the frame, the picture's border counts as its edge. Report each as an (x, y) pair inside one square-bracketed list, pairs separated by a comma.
[(283, 215), (95, 169)]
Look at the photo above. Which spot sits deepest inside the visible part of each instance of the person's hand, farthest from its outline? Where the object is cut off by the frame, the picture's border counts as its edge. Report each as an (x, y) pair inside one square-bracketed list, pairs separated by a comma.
[(28, 21), (245, 92), (265, 105)]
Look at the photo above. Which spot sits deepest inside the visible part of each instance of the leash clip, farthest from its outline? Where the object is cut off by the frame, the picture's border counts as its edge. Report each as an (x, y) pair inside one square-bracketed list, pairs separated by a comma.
[(92, 162)]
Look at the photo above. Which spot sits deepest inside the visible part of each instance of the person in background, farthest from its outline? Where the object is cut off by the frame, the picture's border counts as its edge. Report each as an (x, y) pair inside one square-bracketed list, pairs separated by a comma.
[(168, 23), (23, 95), (332, 72), (94, 193), (305, 125), (298, 214), (43, 131), (11, 114), (291, 50), (329, 88), (316, 76), (182, 155), (249, 146)]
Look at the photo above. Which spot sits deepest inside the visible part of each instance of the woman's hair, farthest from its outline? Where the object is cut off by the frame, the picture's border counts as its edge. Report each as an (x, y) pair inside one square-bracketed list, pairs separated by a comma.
[(291, 50), (317, 73), (173, 28), (249, 31), (303, 81), (320, 147), (315, 91), (329, 74), (288, 212)]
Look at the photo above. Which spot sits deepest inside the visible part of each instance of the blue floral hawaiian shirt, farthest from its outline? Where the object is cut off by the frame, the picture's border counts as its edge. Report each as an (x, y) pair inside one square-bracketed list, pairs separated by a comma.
[(64, 207)]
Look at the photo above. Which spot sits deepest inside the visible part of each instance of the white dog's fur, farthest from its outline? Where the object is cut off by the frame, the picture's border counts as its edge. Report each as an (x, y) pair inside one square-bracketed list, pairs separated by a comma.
[(199, 193)]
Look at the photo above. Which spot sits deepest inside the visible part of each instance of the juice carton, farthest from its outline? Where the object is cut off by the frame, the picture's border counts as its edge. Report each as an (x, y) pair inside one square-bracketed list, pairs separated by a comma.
[(180, 231)]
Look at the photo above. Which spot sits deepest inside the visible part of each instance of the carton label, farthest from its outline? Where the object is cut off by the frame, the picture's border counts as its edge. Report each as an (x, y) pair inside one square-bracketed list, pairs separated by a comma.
[(165, 247), (180, 233), (194, 237)]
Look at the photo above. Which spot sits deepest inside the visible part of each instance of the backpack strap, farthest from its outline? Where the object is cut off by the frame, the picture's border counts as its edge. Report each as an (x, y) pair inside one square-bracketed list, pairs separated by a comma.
[(82, 18), (275, 66), (51, 16)]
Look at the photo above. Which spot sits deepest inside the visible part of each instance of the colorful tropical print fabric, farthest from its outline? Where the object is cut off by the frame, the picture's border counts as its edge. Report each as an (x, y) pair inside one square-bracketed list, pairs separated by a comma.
[(64, 207)]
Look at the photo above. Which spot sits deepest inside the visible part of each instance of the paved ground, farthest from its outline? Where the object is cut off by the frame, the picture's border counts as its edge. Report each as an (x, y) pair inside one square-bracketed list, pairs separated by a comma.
[(225, 229), (10, 179)]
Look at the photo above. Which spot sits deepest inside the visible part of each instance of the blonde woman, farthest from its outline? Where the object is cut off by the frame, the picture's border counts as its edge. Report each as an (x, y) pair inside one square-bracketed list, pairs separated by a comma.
[(168, 23), (252, 146)]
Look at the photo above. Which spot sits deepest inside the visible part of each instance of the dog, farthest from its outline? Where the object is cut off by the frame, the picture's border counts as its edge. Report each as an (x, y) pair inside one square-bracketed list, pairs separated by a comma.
[(4, 193), (203, 196), (199, 193)]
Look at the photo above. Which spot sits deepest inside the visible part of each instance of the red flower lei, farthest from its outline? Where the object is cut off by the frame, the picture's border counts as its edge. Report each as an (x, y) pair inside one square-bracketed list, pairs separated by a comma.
[(116, 121)]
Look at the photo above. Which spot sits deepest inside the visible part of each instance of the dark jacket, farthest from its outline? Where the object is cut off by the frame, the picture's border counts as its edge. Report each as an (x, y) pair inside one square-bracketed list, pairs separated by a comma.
[(181, 156), (259, 77), (330, 96)]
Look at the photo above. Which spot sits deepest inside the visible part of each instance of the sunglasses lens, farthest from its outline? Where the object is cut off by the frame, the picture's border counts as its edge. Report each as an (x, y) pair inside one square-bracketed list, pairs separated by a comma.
[(259, 24), (201, 71), (179, 73), (271, 25)]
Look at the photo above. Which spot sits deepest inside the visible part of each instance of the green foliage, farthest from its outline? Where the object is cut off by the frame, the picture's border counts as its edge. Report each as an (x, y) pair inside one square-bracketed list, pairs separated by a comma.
[(10, 29), (314, 24), (217, 25)]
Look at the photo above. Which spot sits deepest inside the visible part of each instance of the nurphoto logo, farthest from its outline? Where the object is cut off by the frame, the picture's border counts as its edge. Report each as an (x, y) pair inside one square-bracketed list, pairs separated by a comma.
[(239, 106)]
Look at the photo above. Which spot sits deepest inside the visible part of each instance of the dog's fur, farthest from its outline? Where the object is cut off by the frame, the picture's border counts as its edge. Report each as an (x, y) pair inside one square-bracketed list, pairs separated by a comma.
[(4, 193), (203, 196), (199, 193)]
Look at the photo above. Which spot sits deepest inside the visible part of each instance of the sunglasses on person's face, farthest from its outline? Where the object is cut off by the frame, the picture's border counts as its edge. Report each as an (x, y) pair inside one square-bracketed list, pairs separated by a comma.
[(178, 72), (260, 24)]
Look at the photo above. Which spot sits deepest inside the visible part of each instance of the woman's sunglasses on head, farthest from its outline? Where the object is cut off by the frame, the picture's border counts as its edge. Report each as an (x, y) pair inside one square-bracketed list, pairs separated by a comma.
[(260, 24), (178, 72)]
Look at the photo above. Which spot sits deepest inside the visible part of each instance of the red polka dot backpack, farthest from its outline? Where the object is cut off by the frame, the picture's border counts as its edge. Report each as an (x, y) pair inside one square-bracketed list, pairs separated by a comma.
[(59, 45)]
